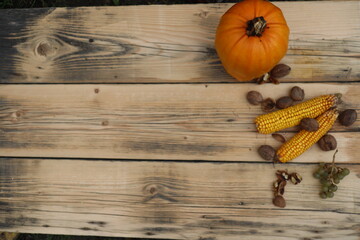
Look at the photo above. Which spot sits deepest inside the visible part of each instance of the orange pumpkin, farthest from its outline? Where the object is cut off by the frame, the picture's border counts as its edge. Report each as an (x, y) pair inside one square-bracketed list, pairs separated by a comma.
[(252, 37)]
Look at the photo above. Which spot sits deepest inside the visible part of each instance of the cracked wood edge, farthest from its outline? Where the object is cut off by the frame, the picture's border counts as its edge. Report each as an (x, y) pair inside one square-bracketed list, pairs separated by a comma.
[(166, 44)]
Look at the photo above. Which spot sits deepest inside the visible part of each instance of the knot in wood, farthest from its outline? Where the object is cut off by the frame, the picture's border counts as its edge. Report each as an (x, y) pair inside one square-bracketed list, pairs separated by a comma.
[(19, 113), (151, 189), (16, 116), (47, 48), (203, 13), (43, 49)]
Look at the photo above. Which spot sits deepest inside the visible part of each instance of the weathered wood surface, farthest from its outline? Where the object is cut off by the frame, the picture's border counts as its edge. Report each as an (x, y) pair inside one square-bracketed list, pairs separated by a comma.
[(46, 129), (168, 121), (175, 200), (165, 43)]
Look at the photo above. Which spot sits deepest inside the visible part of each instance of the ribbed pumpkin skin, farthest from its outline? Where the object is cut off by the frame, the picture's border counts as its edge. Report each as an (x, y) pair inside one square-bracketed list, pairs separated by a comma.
[(248, 57)]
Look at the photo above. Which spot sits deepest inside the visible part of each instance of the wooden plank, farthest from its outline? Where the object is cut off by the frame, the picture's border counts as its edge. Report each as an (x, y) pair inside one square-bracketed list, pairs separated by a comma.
[(137, 44), (175, 200), (151, 121)]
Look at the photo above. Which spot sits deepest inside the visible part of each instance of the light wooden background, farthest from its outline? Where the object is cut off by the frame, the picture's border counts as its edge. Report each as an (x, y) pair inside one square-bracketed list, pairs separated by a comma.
[(120, 121)]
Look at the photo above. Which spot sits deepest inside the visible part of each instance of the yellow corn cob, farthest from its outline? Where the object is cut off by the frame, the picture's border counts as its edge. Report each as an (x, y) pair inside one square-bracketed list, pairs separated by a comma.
[(303, 140), (291, 116)]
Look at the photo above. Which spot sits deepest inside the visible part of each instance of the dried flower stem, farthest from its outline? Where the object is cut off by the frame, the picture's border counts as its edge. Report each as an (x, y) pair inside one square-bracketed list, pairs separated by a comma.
[(333, 163)]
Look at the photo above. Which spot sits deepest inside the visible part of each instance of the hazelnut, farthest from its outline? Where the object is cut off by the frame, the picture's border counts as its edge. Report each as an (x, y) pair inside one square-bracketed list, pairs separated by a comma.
[(280, 70), (327, 142), (297, 93), (267, 152), (260, 80), (347, 117), (284, 102), (280, 190), (295, 178), (268, 105), (282, 175), (309, 124), (274, 81), (254, 97), (276, 184), (279, 201), (278, 137)]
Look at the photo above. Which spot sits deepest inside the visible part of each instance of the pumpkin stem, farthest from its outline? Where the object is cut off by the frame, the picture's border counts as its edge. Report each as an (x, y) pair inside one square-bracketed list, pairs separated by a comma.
[(256, 27)]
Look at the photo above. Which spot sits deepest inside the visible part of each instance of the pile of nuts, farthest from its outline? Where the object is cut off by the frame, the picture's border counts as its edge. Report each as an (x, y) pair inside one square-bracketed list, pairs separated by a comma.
[(279, 186), (328, 174), (297, 94)]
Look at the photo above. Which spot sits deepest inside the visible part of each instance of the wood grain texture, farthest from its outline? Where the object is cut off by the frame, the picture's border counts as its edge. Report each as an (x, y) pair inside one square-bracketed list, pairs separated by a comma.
[(93, 159), (167, 121), (137, 44), (172, 200)]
